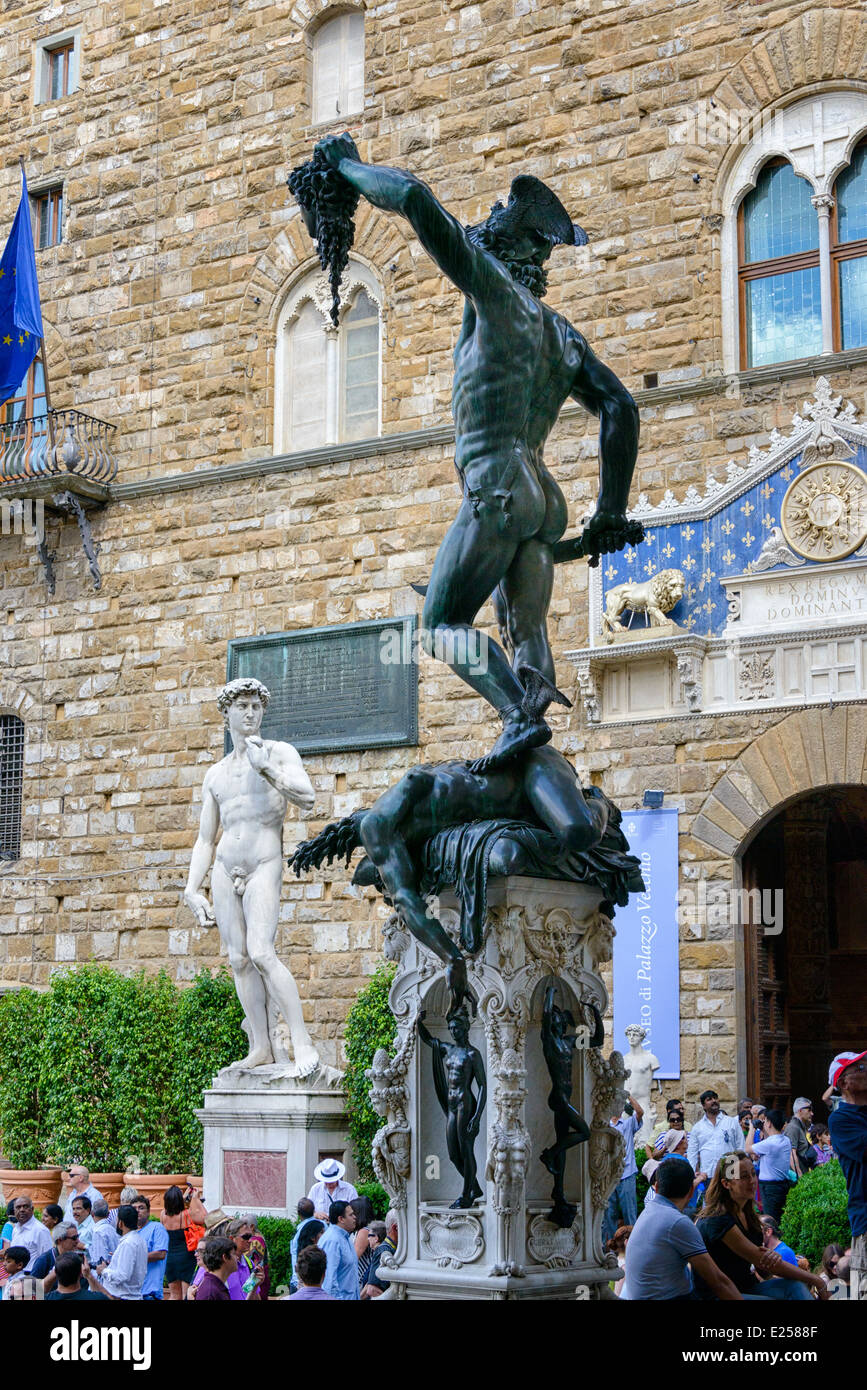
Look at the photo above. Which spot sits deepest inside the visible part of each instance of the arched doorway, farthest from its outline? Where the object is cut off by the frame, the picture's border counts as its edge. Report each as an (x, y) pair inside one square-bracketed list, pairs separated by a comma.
[(806, 980)]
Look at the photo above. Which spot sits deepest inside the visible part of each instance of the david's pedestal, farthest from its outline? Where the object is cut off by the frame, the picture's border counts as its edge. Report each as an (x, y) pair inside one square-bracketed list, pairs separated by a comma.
[(538, 932), (265, 1132)]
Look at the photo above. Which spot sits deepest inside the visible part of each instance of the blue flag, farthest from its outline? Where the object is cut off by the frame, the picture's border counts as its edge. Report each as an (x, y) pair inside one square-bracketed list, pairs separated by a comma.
[(20, 314)]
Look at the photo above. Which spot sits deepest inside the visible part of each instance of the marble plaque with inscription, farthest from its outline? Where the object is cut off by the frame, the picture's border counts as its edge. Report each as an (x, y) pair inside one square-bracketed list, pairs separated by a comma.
[(254, 1180), (797, 598), (333, 688)]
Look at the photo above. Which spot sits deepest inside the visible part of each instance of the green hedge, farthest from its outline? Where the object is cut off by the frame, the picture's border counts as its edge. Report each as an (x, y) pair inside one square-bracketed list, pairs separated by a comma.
[(815, 1212), (107, 1069), (379, 1198), (278, 1232), (369, 1026)]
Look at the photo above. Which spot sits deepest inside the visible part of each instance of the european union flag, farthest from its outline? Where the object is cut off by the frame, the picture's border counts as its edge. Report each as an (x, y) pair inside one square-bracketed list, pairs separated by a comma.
[(20, 313)]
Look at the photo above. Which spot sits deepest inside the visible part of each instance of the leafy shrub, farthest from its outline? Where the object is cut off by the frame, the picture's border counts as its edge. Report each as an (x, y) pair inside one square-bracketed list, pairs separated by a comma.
[(379, 1198), (22, 1120), (209, 1036), (278, 1232), (107, 1069), (369, 1026), (641, 1183), (815, 1212)]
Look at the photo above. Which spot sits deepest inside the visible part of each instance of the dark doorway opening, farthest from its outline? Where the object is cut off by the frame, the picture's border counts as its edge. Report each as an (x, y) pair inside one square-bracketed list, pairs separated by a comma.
[(806, 986)]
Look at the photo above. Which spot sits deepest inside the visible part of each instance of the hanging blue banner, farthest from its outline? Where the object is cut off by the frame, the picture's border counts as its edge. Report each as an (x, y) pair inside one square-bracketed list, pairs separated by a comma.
[(646, 961)]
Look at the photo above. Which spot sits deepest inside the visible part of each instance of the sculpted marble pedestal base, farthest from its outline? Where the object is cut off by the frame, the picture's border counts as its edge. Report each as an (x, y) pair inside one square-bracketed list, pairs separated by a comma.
[(265, 1132), (538, 932)]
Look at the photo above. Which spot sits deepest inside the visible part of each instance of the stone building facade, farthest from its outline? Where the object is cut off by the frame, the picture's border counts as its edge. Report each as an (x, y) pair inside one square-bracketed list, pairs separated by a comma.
[(163, 303)]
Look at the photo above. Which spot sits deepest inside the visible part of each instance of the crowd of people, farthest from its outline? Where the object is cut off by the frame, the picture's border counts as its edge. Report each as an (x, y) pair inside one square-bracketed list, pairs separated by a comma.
[(710, 1227), (86, 1251), (717, 1190)]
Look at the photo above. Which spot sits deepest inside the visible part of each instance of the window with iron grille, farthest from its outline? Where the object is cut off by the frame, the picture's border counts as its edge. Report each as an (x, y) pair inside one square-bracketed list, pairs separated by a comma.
[(11, 785)]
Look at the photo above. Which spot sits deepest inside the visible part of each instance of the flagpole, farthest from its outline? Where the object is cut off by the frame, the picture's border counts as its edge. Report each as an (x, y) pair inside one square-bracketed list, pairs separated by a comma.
[(48, 415)]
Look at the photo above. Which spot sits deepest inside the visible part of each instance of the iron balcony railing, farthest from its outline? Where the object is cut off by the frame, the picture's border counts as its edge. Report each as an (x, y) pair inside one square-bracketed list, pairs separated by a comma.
[(56, 444)]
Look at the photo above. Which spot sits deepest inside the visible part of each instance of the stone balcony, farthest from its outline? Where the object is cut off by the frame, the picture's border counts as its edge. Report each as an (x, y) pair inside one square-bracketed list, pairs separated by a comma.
[(63, 463)]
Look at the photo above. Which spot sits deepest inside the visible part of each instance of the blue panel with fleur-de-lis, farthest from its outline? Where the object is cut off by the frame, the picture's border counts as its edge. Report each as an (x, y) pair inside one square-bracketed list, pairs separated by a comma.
[(722, 546)]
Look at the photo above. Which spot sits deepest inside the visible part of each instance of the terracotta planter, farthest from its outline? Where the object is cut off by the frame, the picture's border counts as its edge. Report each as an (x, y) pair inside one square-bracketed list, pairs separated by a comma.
[(41, 1185), (153, 1186), (110, 1185)]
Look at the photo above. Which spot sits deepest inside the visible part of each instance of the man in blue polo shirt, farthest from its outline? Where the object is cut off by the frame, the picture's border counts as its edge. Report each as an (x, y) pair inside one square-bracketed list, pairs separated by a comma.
[(664, 1241), (848, 1126)]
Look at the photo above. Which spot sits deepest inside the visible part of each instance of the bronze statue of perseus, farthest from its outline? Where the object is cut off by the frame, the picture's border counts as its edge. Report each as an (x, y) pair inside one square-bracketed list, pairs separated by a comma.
[(516, 363)]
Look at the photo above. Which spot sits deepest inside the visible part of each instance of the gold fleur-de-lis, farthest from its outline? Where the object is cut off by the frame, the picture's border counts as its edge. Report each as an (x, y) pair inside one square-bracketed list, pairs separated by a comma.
[(766, 490), (687, 532), (748, 507), (688, 562), (767, 521), (729, 557), (668, 550), (786, 473), (728, 526), (629, 555), (707, 545), (650, 567), (610, 573), (749, 538)]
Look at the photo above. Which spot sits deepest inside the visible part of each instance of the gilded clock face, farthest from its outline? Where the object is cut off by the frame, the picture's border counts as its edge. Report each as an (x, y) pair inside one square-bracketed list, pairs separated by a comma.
[(824, 512)]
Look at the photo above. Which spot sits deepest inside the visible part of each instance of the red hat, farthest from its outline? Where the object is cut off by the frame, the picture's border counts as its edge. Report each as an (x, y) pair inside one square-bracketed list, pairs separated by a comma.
[(840, 1063)]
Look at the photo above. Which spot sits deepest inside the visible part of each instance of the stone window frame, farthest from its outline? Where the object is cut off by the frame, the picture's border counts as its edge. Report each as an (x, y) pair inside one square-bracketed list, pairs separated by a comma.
[(51, 194), (314, 30), (310, 287), (43, 48), (817, 135)]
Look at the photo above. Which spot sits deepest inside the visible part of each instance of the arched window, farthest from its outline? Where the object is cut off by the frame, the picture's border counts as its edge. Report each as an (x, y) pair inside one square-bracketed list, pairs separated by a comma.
[(11, 785), (338, 67), (328, 379), (849, 252), (794, 232), (781, 308)]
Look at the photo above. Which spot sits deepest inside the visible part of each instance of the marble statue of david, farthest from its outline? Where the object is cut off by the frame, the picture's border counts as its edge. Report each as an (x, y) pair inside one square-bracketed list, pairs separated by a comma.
[(245, 797)]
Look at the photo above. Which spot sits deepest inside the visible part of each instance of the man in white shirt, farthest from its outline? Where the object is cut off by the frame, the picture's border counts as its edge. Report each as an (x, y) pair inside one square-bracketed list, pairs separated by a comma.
[(329, 1187), (129, 1264), (79, 1186), (712, 1136), (104, 1238), (29, 1232), (82, 1209)]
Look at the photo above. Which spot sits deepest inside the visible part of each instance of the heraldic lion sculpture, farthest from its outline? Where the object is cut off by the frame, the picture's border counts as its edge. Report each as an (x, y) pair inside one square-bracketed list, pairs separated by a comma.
[(654, 597)]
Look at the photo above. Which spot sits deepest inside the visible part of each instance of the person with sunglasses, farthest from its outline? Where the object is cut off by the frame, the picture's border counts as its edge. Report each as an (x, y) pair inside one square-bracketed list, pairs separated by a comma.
[(77, 1179)]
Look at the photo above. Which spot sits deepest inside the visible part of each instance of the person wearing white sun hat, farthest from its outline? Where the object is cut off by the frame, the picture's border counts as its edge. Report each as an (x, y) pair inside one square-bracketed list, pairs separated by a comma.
[(329, 1187)]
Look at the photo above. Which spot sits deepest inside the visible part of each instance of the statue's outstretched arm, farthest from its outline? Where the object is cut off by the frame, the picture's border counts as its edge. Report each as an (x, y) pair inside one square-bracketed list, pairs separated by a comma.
[(441, 235)]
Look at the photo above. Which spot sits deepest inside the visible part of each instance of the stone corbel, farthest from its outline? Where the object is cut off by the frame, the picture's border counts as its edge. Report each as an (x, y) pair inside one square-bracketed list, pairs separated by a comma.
[(689, 666), (589, 690)]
